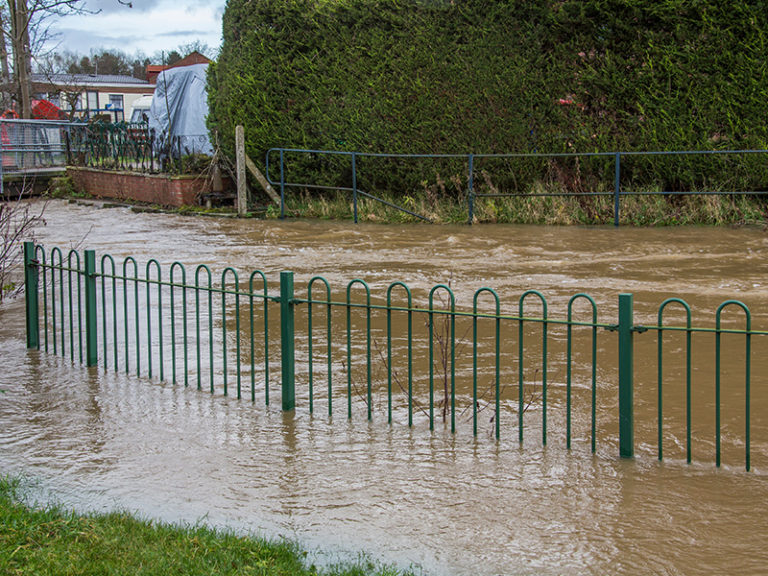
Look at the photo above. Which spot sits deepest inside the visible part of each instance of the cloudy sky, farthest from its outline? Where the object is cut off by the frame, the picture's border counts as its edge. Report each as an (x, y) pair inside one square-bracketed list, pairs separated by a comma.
[(150, 26)]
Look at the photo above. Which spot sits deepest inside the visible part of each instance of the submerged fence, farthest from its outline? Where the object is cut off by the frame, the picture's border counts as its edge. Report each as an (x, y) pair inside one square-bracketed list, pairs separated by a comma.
[(220, 332)]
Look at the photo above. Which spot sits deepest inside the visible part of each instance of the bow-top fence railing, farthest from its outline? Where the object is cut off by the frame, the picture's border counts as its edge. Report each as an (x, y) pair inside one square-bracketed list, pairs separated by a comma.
[(383, 353)]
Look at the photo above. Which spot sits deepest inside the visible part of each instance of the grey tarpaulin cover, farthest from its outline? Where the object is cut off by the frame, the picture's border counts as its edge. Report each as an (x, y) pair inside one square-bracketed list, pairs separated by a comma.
[(181, 91)]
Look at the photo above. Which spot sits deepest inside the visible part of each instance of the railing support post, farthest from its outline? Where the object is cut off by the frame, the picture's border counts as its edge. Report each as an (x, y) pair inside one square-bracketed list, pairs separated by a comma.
[(287, 341), (626, 385), (354, 185), (282, 185), (30, 294), (91, 335), (616, 189), (471, 189)]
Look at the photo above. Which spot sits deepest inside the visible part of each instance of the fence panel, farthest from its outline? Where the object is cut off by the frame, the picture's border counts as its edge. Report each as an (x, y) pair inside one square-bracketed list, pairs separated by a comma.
[(162, 321), (473, 178)]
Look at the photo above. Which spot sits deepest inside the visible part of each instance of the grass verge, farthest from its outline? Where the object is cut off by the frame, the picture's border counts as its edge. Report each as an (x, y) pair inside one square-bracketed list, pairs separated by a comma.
[(542, 206), (50, 540)]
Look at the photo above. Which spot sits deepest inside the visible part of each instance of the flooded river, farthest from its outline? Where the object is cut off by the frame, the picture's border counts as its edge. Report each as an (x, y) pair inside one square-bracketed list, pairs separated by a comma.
[(442, 504)]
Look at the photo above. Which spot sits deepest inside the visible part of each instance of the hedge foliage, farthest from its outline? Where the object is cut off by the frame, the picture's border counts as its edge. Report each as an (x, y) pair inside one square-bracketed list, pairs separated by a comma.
[(482, 76)]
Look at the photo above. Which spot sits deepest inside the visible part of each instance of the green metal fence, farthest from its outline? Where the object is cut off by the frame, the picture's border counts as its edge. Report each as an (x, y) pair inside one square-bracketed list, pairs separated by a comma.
[(213, 332)]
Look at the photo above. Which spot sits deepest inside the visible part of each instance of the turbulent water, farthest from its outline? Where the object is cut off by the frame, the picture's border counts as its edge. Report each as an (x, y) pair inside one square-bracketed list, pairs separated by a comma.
[(441, 503)]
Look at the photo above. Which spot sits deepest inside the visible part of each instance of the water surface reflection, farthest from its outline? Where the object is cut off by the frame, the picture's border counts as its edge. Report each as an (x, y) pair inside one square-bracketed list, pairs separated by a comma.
[(449, 504)]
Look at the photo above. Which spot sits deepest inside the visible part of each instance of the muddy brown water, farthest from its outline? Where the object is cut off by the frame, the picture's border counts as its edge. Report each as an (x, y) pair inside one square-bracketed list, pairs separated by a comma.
[(440, 503)]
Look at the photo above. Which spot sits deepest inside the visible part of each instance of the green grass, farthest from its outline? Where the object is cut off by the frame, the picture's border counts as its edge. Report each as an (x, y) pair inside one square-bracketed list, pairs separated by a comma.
[(441, 207), (52, 541)]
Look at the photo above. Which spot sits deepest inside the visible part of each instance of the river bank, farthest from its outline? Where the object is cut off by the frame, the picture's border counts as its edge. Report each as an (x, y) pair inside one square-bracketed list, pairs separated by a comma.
[(448, 504), (37, 539), (438, 203)]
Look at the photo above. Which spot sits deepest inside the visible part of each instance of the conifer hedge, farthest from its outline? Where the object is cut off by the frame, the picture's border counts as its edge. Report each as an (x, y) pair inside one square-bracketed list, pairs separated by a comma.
[(482, 76)]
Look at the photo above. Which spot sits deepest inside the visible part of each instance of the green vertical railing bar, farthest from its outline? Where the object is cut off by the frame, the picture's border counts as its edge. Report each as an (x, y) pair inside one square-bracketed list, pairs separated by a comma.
[(660, 400), (349, 341), (79, 273), (149, 322), (41, 262), (31, 280), (209, 291), (443, 342), (53, 298), (224, 328), (172, 291), (125, 310), (521, 303), (389, 354), (626, 382), (266, 336), (104, 277), (616, 188), (161, 346), (287, 340), (61, 300), (497, 359), (185, 329), (471, 188), (747, 372), (354, 186), (311, 339), (136, 315), (569, 371), (91, 316), (71, 307), (149, 316)]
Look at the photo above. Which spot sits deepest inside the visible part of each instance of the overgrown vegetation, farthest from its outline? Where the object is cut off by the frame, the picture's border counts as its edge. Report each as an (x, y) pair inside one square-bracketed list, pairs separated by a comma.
[(51, 540), (458, 76), (550, 210)]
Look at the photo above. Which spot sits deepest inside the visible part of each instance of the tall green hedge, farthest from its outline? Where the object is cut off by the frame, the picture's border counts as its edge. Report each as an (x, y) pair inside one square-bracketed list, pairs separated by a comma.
[(485, 76)]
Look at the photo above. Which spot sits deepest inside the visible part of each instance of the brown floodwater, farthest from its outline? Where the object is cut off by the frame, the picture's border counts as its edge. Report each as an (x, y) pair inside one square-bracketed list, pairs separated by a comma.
[(440, 503)]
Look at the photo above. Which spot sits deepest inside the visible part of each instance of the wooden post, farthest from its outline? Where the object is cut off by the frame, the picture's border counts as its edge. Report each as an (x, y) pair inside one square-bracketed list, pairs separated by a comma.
[(242, 189)]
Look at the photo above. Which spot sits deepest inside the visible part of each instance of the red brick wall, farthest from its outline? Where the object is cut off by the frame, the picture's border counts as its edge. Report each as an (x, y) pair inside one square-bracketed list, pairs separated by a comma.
[(150, 188)]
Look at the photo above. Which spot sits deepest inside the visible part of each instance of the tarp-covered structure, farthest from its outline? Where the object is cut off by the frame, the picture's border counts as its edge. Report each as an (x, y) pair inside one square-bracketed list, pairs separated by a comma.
[(179, 109)]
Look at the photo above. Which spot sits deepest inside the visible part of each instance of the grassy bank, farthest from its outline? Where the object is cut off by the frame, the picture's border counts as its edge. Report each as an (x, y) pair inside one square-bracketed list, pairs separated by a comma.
[(446, 203), (638, 210), (51, 540)]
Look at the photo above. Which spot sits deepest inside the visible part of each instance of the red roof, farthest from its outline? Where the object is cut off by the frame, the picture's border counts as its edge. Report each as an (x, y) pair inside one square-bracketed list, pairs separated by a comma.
[(153, 70)]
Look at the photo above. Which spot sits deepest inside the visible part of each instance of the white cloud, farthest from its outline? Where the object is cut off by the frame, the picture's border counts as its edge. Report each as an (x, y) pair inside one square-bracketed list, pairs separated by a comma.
[(149, 26)]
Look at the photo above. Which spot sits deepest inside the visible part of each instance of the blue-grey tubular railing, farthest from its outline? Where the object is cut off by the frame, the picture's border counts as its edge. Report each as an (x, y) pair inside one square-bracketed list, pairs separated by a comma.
[(471, 161), (164, 320)]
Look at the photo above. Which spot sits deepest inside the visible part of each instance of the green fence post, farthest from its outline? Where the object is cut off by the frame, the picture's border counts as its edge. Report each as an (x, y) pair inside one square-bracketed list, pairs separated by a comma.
[(626, 365), (616, 188), (91, 336), (471, 189), (354, 186), (288, 344), (30, 294)]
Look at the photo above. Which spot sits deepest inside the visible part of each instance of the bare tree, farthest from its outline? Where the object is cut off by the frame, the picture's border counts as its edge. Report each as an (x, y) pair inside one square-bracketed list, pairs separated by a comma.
[(25, 26), (17, 220)]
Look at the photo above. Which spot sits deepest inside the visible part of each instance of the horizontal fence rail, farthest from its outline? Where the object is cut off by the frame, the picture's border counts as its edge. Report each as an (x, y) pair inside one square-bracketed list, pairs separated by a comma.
[(347, 166), (421, 362)]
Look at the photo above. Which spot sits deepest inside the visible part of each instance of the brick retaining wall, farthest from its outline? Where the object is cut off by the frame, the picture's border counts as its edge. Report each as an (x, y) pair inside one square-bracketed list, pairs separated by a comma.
[(150, 188)]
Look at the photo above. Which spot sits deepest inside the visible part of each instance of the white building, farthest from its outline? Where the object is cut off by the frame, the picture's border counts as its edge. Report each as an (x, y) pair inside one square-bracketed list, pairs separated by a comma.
[(90, 94)]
